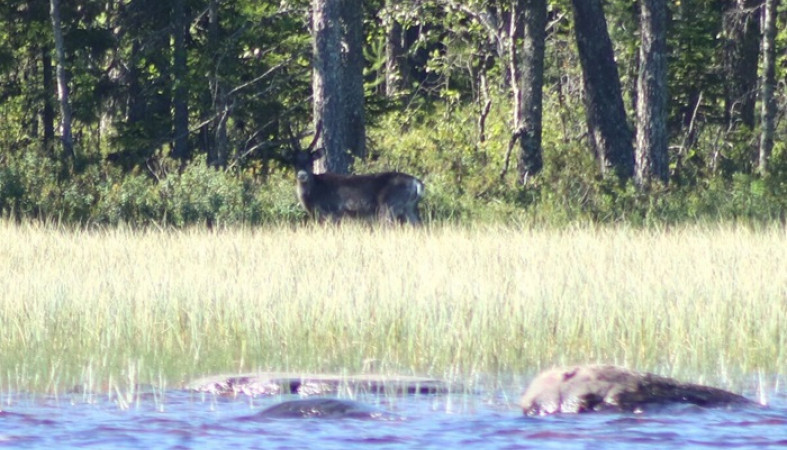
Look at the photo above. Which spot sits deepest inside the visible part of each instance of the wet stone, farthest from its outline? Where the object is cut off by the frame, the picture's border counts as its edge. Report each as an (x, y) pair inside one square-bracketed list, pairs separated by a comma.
[(323, 408), (611, 388)]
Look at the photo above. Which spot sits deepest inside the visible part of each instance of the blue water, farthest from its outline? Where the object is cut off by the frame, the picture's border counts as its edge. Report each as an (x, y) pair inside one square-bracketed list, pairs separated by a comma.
[(180, 419)]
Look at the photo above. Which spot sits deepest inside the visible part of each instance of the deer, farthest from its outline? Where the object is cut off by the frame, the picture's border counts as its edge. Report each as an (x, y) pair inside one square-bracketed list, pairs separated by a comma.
[(389, 196)]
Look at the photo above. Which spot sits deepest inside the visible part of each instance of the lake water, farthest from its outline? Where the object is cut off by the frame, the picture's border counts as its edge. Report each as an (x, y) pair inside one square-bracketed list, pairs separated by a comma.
[(180, 419)]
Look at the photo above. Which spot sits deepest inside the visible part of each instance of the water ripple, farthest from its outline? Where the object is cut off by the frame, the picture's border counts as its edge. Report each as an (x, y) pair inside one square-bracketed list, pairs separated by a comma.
[(182, 421)]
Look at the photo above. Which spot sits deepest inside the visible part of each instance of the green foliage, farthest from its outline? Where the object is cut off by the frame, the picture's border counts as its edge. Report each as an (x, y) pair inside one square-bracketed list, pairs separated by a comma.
[(462, 178), (696, 58), (461, 175), (201, 194), (132, 199), (441, 147), (103, 194), (253, 69), (29, 185)]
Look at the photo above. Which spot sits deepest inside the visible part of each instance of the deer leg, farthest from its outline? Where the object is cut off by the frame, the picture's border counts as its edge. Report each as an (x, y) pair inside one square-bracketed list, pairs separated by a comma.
[(387, 215), (411, 215)]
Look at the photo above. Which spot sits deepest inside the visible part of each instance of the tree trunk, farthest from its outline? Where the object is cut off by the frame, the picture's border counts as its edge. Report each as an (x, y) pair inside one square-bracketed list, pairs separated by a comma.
[(48, 115), (741, 54), (768, 84), (218, 95), (180, 89), (327, 85), (608, 130), (395, 60), (135, 103), (352, 80), (508, 42), (62, 81), (652, 160), (530, 159)]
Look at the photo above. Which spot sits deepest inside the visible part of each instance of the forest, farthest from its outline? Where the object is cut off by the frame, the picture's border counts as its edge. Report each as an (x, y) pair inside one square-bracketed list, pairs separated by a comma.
[(188, 112)]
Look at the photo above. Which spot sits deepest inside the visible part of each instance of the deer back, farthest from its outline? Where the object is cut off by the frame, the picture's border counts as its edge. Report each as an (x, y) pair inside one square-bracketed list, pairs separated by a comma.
[(389, 195)]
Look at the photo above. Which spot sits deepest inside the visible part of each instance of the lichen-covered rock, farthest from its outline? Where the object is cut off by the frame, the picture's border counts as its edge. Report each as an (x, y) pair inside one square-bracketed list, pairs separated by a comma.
[(261, 384), (323, 408), (598, 388)]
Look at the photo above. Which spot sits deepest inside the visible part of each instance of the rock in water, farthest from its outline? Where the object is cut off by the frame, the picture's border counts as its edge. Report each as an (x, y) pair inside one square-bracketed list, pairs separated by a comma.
[(600, 388), (324, 408)]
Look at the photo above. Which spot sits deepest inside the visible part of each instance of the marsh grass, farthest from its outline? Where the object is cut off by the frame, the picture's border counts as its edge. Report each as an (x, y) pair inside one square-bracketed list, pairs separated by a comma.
[(113, 310)]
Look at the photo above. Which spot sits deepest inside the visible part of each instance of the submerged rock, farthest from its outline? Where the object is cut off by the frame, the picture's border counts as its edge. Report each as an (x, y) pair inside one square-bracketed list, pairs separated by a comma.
[(314, 384), (323, 408), (599, 388)]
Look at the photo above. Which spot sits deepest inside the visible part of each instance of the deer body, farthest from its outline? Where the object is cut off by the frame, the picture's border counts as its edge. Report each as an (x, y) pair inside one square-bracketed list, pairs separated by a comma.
[(391, 196)]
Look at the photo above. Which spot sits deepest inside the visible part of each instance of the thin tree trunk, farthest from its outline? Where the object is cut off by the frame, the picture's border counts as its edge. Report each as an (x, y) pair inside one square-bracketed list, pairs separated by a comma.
[(135, 103), (530, 159), (180, 89), (608, 130), (514, 70), (768, 84), (507, 49), (395, 61), (48, 115), (327, 85), (484, 102), (352, 79), (217, 92), (62, 82), (652, 160)]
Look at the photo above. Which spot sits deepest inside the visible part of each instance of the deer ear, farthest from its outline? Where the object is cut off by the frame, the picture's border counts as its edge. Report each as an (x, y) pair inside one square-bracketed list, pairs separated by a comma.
[(317, 154)]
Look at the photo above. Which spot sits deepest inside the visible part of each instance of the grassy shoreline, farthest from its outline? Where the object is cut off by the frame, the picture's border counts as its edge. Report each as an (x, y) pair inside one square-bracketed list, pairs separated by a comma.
[(104, 308)]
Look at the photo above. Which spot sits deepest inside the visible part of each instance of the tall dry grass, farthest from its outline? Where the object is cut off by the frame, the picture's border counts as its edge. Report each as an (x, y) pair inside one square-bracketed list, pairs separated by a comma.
[(99, 307)]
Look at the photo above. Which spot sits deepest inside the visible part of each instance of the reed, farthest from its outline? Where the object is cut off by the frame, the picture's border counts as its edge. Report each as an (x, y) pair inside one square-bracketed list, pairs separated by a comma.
[(119, 307)]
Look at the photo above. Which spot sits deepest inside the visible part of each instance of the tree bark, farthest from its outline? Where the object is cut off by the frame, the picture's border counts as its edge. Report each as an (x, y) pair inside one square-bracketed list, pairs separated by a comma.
[(352, 82), (652, 160), (530, 160), (218, 95), (394, 53), (507, 41), (327, 85), (741, 54), (180, 89), (768, 84), (48, 114), (62, 80), (608, 130)]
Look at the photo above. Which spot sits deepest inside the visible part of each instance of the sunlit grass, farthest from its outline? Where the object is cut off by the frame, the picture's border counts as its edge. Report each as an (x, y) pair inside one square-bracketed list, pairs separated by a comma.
[(102, 309)]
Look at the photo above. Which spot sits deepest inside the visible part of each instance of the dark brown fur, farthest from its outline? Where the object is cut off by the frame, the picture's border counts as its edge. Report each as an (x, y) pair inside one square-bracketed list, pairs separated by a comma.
[(390, 196)]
